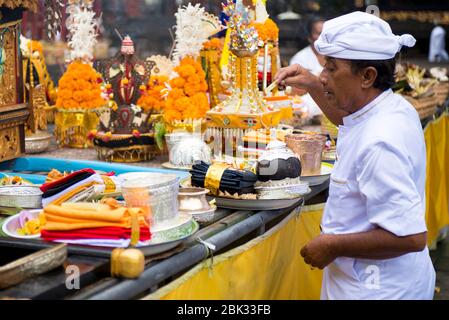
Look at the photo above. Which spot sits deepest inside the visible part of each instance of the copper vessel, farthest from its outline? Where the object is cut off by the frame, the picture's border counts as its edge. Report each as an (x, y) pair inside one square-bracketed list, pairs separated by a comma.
[(309, 148)]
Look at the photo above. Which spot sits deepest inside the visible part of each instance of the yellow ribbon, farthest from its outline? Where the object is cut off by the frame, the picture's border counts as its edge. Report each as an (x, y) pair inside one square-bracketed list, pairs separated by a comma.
[(135, 228), (213, 177)]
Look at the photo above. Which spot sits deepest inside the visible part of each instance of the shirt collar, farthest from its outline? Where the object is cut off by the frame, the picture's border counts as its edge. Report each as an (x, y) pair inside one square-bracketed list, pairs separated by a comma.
[(366, 111)]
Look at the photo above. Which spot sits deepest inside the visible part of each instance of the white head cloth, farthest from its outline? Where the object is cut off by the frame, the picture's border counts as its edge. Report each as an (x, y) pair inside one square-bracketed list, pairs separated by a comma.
[(360, 36)]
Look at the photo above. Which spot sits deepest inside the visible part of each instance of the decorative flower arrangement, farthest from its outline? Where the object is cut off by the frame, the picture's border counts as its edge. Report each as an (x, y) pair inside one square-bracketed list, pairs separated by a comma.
[(187, 99), (268, 31), (151, 99), (243, 34), (212, 44), (80, 88), (79, 93), (33, 50)]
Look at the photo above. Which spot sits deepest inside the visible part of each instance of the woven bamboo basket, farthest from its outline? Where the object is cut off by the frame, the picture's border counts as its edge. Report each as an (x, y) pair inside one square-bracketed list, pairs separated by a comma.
[(441, 90), (426, 106)]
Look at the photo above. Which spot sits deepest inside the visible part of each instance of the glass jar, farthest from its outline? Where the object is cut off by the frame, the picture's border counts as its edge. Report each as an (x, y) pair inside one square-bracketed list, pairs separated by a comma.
[(156, 192)]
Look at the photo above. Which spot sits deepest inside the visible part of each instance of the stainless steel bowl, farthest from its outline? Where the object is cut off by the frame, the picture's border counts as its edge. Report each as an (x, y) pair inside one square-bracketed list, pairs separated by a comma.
[(26, 197), (38, 142), (193, 200)]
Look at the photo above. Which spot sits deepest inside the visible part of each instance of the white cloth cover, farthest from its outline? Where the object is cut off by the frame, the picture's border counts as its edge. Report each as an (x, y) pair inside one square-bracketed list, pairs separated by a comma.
[(360, 36)]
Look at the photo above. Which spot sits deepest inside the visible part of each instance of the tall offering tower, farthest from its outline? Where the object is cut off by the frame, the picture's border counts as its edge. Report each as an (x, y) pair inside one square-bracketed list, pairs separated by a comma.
[(245, 109)]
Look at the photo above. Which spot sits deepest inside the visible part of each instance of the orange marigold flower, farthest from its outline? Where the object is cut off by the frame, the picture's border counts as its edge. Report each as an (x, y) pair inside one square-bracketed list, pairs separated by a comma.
[(178, 82), (191, 81), (152, 99), (214, 43), (79, 88), (267, 31), (185, 70)]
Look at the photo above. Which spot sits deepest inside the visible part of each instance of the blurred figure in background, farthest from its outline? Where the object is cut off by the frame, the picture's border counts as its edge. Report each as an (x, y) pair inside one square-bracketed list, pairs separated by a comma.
[(437, 50), (308, 57)]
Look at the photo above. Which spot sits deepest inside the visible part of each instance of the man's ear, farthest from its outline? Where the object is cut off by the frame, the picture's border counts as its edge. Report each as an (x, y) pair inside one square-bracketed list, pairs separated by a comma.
[(369, 76)]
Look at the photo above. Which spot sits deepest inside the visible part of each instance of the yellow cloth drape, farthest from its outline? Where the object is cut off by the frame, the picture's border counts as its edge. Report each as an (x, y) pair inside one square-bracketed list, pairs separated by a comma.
[(437, 186), (268, 267)]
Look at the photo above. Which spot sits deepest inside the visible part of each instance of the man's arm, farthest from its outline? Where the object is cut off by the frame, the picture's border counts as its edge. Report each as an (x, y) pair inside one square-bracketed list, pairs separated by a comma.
[(298, 77), (377, 244)]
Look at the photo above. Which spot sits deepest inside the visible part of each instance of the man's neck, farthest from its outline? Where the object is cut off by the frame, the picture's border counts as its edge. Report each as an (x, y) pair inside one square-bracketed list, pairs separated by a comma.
[(368, 97)]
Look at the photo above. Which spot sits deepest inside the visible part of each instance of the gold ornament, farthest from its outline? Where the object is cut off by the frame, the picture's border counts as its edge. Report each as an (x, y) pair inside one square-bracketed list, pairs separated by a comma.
[(73, 127), (211, 59), (127, 263), (245, 108)]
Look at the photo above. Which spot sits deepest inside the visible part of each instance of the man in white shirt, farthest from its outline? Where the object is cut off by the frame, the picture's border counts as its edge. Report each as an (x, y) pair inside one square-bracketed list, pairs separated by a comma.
[(437, 48), (308, 57), (373, 241)]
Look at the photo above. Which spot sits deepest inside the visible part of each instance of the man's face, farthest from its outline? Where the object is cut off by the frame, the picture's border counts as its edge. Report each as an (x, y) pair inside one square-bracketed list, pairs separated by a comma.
[(316, 31), (342, 87)]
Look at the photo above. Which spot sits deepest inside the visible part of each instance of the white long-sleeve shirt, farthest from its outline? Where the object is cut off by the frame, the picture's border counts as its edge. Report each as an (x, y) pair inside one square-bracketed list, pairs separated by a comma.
[(379, 181)]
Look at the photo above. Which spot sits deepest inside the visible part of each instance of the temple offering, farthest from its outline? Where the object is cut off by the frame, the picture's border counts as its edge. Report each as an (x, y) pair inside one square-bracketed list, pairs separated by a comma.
[(222, 180), (244, 109), (278, 173), (79, 186), (126, 130), (98, 224), (79, 91)]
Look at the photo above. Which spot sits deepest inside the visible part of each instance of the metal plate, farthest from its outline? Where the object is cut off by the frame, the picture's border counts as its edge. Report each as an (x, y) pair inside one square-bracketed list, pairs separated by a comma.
[(255, 205), (326, 170), (151, 250), (168, 165)]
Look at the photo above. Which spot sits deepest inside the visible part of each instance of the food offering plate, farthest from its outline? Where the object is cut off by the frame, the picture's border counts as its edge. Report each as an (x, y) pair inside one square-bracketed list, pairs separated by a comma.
[(251, 204)]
